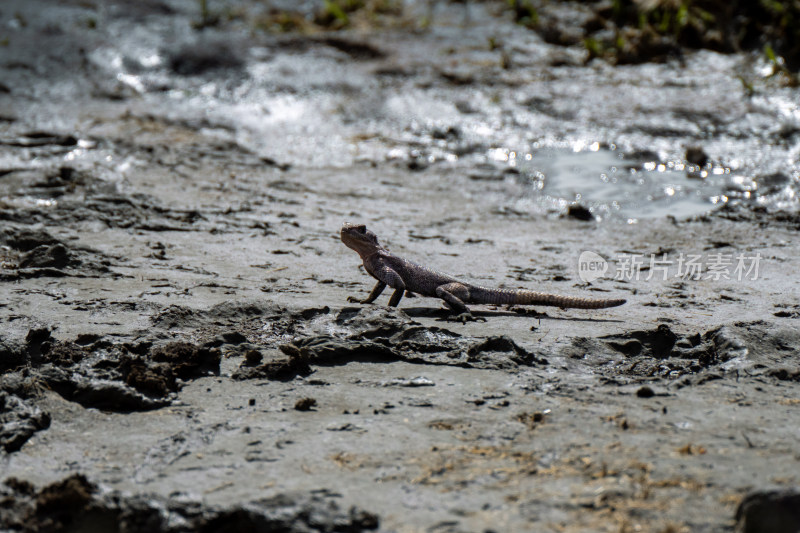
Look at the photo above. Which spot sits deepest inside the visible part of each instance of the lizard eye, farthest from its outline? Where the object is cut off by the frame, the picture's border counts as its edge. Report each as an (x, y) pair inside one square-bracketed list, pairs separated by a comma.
[(361, 229)]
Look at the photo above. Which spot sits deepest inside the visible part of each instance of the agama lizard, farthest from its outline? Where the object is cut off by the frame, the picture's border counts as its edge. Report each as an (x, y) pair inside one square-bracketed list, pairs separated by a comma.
[(403, 275)]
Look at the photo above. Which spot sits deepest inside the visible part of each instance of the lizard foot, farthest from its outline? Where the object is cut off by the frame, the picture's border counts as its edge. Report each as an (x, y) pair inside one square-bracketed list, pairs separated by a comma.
[(354, 300), (465, 317)]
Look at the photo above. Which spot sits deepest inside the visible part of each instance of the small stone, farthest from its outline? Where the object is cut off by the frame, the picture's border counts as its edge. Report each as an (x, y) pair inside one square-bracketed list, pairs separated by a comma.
[(252, 402), (769, 511), (579, 212), (305, 404), (696, 156), (253, 358), (233, 337), (645, 392)]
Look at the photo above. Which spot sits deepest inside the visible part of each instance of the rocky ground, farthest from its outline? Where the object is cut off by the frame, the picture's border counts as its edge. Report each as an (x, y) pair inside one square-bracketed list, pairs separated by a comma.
[(177, 350)]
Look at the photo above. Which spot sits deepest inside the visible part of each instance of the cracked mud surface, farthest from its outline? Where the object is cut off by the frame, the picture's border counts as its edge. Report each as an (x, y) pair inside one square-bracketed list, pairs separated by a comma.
[(176, 337)]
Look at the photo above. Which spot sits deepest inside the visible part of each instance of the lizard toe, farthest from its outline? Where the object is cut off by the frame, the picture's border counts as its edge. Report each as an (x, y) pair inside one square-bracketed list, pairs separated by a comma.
[(465, 317)]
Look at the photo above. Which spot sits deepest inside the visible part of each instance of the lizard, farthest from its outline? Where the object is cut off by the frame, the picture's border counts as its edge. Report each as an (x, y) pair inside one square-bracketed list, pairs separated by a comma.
[(403, 275)]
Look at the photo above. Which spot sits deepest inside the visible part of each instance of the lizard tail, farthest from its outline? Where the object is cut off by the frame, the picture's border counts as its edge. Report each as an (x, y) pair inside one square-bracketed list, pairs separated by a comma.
[(482, 295)]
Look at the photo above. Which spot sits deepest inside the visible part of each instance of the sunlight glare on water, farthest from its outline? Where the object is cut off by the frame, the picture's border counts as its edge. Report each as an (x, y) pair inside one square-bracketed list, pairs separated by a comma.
[(612, 185)]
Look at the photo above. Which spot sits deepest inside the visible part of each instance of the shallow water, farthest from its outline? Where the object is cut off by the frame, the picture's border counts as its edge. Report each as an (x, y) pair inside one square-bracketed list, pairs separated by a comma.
[(612, 185), (470, 95)]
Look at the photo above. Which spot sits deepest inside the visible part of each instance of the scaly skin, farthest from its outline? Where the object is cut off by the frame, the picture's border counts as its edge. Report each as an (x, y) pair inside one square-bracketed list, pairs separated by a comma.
[(403, 275)]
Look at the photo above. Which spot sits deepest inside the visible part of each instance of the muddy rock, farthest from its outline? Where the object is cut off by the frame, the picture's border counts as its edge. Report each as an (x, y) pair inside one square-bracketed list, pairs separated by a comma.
[(227, 313), (24, 239), (662, 353), (326, 350), (385, 336), (15, 353), (491, 347), (133, 388), (279, 368), (769, 511), (12, 354), (202, 57), (377, 335), (579, 212), (19, 420), (64, 354), (110, 376), (75, 504), (371, 321), (657, 344), (34, 253), (55, 256), (188, 360), (305, 404)]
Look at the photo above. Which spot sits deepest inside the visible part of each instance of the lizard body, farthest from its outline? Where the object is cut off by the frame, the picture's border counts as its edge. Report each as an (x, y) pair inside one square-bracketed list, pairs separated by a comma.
[(404, 275)]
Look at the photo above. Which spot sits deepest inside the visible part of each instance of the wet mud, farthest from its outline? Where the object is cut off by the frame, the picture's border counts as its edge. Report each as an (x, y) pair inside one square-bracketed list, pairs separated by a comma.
[(177, 350)]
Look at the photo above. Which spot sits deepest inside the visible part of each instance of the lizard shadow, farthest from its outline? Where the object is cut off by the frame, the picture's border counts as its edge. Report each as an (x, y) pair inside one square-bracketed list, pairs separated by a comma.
[(442, 314)]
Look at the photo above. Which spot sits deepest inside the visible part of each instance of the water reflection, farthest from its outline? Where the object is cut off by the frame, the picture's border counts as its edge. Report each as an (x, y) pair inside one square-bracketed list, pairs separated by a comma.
[(612, 184)]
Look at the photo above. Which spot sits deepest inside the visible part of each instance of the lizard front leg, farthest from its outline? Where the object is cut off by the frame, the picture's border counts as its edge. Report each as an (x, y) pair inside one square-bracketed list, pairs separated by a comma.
[(376, 291), (394, 280), (387, 276)]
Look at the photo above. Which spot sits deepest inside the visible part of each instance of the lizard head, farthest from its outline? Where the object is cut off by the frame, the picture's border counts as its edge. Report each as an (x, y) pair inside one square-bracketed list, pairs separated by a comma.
[(360, 239)]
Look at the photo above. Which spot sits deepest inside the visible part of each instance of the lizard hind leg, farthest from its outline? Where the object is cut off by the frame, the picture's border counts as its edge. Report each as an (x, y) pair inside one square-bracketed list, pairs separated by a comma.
[(454, 295)]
